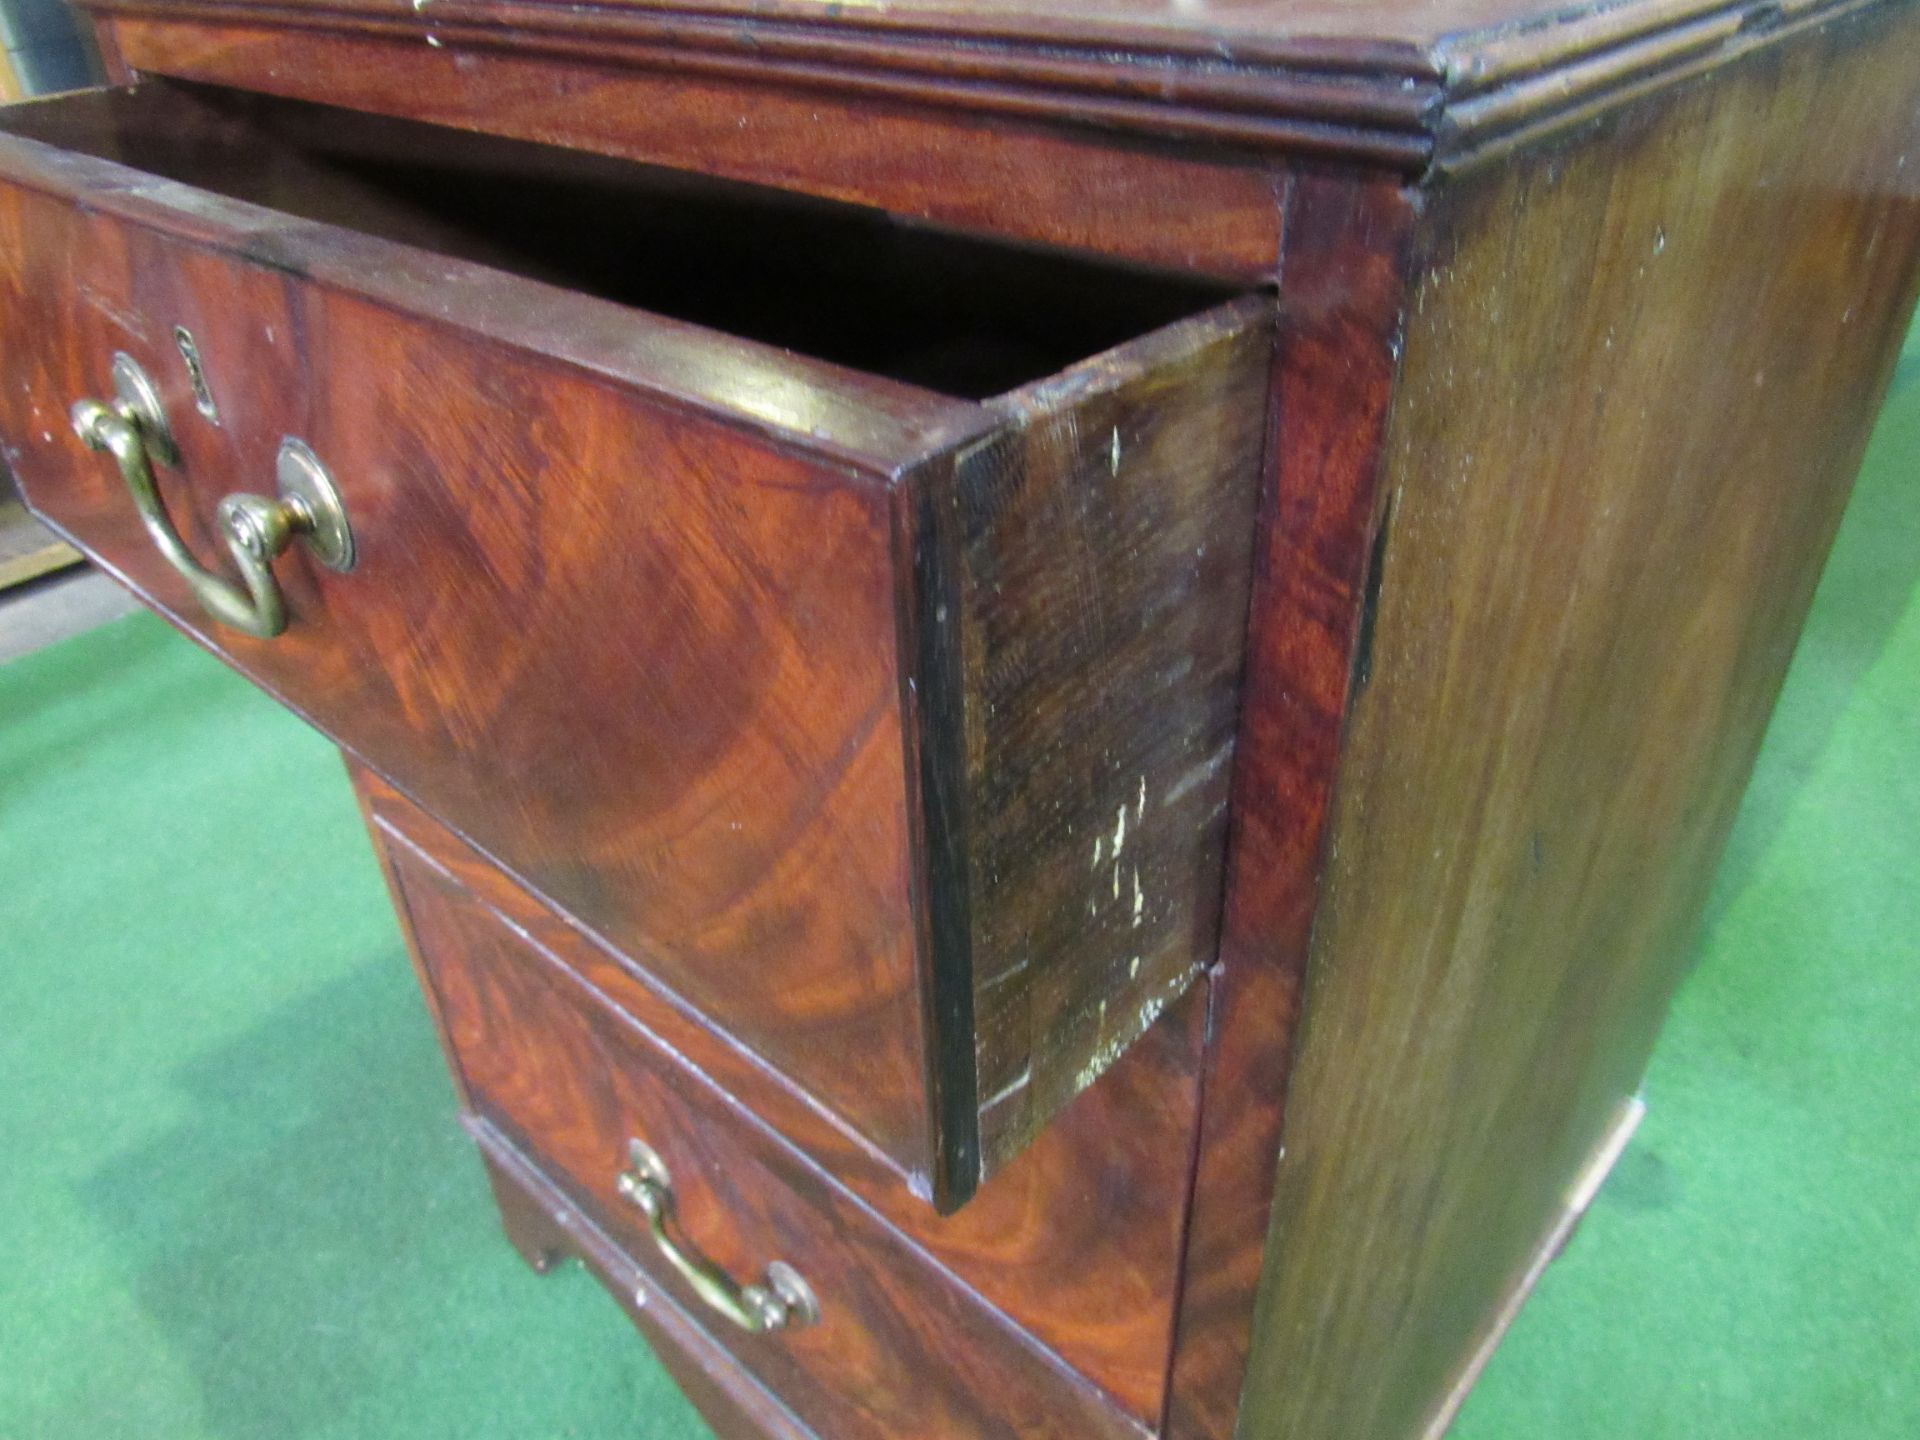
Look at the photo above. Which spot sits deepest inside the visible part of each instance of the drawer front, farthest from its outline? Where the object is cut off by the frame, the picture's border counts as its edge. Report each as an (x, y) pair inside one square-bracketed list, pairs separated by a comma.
[(887, 729), (1077, 1240), (644, 660), (899, 1347)]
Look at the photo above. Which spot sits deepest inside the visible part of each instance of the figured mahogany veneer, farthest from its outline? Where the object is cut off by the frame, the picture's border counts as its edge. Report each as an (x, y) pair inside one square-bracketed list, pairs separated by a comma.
[(1076, 1241), (1212, 766), (545, 1062), (814, 691)]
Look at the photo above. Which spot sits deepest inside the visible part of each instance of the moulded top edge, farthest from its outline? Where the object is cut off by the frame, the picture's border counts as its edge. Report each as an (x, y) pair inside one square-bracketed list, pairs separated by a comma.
[(1384, 81)]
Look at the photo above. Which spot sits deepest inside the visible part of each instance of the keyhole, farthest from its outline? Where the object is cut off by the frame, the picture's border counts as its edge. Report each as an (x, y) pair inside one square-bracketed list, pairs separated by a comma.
[(196, 376)]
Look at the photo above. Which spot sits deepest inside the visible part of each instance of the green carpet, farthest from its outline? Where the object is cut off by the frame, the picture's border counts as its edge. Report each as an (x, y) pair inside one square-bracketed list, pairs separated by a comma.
[(233, 1202)]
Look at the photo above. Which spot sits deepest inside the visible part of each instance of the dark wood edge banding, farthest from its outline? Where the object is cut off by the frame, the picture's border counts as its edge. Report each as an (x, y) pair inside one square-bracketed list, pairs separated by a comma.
[(931, 691)]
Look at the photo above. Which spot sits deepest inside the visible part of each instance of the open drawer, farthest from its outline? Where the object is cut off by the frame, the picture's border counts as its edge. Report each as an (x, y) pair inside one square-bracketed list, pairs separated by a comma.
[(842, 621)]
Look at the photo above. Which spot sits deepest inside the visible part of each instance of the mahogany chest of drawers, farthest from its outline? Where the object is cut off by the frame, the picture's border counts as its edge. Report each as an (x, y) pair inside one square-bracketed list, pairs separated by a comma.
[(1047, 690)]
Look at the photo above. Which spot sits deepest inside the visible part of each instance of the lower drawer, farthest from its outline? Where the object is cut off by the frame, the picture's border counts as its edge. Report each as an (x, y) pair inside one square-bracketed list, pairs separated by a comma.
[(894, 1345)]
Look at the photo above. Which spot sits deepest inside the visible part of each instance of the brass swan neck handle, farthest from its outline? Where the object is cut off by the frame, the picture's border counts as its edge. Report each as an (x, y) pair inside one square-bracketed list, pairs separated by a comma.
[(133, 429), (782, 1301)]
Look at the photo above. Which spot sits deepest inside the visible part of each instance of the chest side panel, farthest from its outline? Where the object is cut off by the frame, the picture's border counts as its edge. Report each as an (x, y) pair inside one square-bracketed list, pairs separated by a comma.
[(1640, 371)]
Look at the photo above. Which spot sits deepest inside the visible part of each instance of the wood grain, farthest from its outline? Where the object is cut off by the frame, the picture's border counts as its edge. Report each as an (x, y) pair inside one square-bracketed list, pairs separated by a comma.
[(564, 1078), (843, 284), (1076, 1240), (762, 70), (798, 670), (1639, 374), (1309, 35), (1213, 214), (1341, 313), (637, 599), (684, 729), (1397, 86), (1079, 576)]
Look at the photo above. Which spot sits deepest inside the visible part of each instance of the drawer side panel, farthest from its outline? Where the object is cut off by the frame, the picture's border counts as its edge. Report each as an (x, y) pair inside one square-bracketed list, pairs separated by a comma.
[(1082, 607)]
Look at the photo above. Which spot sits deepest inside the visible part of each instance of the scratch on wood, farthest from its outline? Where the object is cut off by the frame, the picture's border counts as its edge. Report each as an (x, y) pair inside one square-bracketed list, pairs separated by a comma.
[(1198, 775), (1010, 1089), (124, 320), (1114, 1044)]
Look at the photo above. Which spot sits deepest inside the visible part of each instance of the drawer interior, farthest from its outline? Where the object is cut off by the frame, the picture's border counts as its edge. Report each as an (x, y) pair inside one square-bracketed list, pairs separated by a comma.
[(856, 287)]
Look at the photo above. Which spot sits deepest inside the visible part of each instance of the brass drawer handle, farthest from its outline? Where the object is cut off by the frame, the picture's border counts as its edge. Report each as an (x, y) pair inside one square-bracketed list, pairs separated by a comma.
[(783, 1300), (133, 429)]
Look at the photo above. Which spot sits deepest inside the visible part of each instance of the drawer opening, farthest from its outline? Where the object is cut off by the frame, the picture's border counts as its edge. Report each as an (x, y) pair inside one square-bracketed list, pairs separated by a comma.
[(960, 316)]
